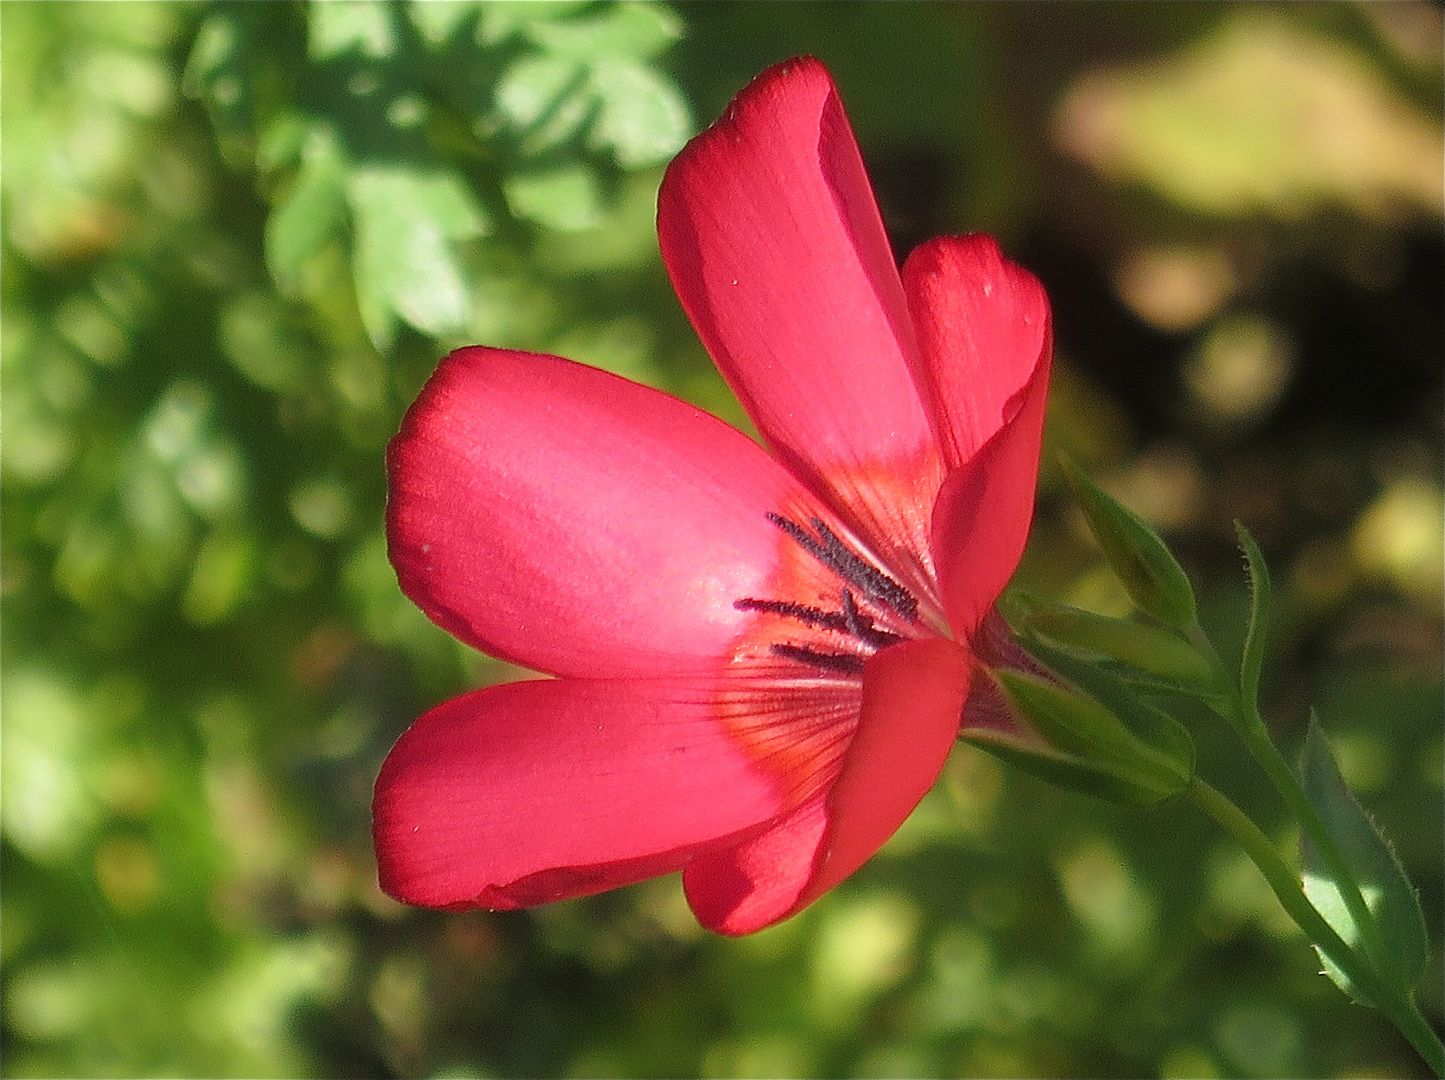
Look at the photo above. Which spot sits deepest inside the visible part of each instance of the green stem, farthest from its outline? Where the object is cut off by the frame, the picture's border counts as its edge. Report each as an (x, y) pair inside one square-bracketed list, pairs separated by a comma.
[(1282, 879), (1244, 716)]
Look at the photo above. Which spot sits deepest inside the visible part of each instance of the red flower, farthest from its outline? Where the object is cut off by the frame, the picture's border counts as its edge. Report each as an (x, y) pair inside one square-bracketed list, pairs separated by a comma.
[(763, 657)]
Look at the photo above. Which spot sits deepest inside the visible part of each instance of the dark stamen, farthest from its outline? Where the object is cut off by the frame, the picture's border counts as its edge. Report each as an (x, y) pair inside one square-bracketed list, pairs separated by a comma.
[(851, 616), (829, 550), (841, 662), (861, 626), (811, 616)]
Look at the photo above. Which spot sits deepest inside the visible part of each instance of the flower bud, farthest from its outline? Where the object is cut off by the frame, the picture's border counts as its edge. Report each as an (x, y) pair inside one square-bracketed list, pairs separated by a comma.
[(1148, 570), (1147, 648), (1079, 744)]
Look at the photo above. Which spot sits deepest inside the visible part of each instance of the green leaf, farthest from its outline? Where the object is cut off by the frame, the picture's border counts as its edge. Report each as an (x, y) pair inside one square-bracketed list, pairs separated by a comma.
[(1401, 940), (1251, 663), (213, 54), (625, 31), (1145, 566), (544, 99), (217, 73), (403, 262), (503, 18), (567, 199), (438, 22), (311, 214), (362, 26), (1064, 770), (643, 119)]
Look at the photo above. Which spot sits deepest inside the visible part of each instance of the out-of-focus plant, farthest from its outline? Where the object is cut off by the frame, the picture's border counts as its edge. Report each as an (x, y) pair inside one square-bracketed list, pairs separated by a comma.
[(207, 320)]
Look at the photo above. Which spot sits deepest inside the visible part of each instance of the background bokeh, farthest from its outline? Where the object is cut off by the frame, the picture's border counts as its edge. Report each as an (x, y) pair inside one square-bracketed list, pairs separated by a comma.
[(238, 236)]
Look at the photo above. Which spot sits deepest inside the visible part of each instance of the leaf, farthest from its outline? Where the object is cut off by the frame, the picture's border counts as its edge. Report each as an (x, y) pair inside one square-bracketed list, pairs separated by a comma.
[(1065, 770), (503, 18), (1144, 564), (544, 99), (438, 22), (1095, 740), (1251, 663), (217, 72), (1402, 942), (643, 120), (1116, 694), (567, 199), (625, 31), (404, 265), (363, 26), (312, 212)]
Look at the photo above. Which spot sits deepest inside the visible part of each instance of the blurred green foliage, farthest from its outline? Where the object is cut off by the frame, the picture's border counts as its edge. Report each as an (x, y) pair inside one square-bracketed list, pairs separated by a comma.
[(238, 236)]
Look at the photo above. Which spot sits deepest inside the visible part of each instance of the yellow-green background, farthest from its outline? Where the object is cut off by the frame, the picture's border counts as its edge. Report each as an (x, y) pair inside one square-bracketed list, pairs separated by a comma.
[(236, 239)]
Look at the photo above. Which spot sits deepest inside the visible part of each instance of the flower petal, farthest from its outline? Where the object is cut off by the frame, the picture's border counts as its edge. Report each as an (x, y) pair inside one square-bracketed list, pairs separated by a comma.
[(985, 342), (984, 335), (982, 517), (984, 511), (774, 244), (537, 791), (758, 882), (571, 521), (913, 697)]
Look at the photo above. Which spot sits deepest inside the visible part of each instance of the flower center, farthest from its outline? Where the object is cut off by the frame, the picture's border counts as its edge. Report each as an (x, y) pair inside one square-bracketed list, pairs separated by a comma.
[(837, 641)]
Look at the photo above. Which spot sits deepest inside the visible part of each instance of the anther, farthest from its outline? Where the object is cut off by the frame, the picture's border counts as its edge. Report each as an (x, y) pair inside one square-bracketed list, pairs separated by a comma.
[(809, 616), (829, 550), (862, 628), (846, 663)]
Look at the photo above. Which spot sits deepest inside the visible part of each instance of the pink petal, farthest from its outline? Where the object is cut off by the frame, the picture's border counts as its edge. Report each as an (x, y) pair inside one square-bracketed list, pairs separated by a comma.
[(982, 517), (758, 882), (774, 244), (984, 334), (537, 791), (985, 338), (913, 697), (574, 522)]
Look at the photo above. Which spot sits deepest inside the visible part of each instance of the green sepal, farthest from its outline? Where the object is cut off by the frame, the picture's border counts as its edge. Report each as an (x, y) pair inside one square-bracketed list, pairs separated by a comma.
[(1063, 770), (1401, 941), (1086, 746), (1120, 696), (1150, 649), (1144, 564)]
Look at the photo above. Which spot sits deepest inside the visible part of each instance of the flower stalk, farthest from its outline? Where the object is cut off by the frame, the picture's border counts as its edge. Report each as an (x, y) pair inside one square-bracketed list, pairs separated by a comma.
[(1375, 953), (1402, 1011)]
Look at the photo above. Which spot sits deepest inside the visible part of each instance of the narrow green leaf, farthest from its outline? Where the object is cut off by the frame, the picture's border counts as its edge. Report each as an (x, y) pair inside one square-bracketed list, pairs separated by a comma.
[(1065, 770), (1144, 564), (1251, 663), (1401, 939), (1116, 694)]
